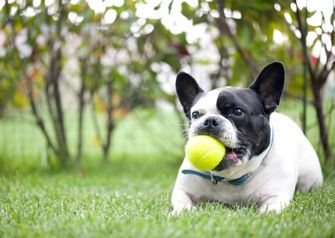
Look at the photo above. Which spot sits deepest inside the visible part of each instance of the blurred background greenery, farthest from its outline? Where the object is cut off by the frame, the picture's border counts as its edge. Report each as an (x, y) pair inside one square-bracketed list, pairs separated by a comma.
[(91, 81)]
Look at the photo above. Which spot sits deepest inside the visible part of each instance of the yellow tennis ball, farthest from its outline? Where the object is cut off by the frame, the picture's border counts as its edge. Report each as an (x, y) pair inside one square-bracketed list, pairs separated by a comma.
[(204, 152)]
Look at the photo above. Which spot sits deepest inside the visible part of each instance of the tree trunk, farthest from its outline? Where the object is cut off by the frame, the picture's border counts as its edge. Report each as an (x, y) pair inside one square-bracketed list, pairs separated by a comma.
[(81, 107), (317, 81), (56, 68), (321, 119), (38, 119), (225, 29), (110, 120), (54, 103), (64, 151)]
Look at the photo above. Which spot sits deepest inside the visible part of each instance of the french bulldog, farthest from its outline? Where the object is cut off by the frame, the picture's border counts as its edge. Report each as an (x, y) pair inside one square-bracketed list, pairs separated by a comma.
[(267, 155)]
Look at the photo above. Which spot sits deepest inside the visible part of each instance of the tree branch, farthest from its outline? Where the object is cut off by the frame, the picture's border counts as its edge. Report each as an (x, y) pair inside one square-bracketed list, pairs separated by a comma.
[(110, 119), (225, 29), (303, 32), (55, 70), (38, 118)]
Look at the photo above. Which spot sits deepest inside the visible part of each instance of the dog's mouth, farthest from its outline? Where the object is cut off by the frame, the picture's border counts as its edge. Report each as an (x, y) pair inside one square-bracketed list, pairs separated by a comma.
[(233, 157)]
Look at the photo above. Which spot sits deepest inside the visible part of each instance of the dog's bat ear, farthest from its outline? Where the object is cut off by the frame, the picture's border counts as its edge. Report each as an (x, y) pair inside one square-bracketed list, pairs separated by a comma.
[(269, 85), (187, 89)]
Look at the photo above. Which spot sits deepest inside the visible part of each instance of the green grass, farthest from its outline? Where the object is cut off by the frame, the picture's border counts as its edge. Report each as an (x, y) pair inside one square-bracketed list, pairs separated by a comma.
[(129, 196)]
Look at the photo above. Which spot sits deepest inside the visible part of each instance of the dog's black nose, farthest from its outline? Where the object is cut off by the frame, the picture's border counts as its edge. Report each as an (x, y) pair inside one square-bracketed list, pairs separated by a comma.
[(211, 122)]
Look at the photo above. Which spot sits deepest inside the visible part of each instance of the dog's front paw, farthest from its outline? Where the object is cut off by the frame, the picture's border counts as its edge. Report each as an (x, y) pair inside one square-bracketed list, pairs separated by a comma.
[(181, 207), (273, 207), (181, 201)]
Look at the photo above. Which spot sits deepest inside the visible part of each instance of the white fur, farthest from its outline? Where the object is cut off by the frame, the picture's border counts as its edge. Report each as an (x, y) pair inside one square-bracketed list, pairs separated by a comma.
[(290, 162), (207, 106)]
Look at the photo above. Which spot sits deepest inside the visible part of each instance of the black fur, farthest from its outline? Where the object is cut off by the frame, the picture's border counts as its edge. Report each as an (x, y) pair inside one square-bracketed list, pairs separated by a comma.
[(269, 86), (187, 90), (253, 125)]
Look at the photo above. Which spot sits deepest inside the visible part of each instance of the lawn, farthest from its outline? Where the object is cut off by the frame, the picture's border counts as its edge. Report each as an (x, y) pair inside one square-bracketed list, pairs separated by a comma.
[(129, 196)]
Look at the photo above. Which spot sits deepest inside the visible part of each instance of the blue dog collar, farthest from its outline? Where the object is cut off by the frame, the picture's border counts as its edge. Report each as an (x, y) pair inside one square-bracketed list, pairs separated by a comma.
[(215, 178)]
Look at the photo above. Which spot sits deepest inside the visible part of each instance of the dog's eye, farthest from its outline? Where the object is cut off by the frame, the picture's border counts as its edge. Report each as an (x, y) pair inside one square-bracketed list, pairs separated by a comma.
[(195, 115), (238, 112)]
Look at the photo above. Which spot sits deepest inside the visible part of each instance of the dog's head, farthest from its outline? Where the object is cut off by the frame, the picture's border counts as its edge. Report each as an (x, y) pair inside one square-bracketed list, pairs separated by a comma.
[(238, 117)]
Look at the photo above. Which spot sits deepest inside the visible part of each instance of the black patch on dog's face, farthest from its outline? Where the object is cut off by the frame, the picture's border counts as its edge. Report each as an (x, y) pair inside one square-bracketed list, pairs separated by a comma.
[(238, 117), (243, 108)]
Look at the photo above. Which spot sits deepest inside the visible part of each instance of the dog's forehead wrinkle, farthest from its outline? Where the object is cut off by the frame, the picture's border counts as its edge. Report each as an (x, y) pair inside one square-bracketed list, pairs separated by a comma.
[(207, 102), (241, 93), (239, 97)]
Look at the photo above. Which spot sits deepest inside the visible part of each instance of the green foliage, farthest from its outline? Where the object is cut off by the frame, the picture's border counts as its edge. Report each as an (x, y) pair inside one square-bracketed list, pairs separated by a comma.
[(119, 54)]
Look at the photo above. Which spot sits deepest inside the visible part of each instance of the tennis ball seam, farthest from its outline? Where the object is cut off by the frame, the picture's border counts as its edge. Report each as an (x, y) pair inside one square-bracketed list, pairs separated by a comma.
[(205, 155)]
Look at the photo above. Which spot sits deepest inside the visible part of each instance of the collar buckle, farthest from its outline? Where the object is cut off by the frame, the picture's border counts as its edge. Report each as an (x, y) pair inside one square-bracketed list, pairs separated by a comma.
[(214, 181)]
